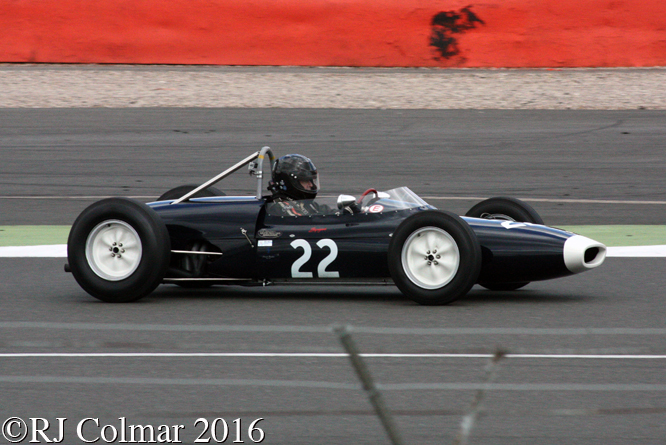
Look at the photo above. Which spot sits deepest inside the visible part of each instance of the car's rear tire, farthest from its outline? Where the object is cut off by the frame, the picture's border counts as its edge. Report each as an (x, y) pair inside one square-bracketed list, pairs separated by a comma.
[(434, 257), (181, 190), (118, 250), (505, 209)]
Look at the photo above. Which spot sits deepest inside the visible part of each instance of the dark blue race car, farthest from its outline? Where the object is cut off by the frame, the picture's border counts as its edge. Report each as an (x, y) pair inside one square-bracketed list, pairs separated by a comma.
[(120, 250)]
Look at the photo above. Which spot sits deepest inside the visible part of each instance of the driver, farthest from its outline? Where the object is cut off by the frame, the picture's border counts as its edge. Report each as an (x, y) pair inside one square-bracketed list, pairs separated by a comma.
[(295, 184)]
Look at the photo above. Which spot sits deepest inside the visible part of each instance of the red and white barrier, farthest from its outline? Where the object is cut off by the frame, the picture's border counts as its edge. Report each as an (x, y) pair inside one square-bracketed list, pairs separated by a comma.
[(434, 33)]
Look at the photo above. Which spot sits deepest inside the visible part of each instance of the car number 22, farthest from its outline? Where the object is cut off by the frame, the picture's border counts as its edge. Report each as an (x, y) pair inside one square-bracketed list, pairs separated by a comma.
[(307, 253)]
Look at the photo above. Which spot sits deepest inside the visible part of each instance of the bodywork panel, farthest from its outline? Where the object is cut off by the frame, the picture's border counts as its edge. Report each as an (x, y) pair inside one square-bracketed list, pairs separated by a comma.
[(519, 252), (343, 245), (349, 245)]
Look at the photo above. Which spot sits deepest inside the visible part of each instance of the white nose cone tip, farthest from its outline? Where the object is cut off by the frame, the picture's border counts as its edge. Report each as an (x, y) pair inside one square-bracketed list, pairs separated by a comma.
[(582, 253)]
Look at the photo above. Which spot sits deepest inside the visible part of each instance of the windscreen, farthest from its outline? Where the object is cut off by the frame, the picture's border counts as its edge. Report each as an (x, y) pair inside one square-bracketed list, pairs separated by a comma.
[(400, 198)]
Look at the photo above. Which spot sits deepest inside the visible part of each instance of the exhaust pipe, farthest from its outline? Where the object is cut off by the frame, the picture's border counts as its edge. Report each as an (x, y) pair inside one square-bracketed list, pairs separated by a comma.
[(582, 253)]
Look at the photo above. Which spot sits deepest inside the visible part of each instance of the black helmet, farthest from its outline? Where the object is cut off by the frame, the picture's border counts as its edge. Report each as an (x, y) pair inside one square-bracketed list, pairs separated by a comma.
[(295, 176)]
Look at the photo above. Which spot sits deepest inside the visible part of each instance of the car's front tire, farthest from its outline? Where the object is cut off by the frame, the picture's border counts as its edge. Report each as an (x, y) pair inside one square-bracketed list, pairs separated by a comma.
[(434, 257), (118, 250), (505, 209)]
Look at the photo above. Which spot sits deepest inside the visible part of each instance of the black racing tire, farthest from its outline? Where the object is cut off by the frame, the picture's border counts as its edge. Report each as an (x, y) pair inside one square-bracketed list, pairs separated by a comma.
[(181, 190), (421, 272), (503, 208), (507, 209), (135, 235)]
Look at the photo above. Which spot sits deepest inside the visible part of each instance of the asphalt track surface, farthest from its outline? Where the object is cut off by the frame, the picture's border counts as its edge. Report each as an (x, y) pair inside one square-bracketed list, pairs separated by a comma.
[(588, 352)]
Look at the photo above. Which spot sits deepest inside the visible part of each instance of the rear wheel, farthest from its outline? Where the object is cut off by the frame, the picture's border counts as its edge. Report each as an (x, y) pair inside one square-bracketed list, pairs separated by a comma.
[(505, 209), (434, 257), (118, 250)]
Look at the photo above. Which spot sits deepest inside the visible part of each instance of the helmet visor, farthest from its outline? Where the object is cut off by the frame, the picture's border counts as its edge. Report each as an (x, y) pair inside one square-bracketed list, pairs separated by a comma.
[(308, 182)]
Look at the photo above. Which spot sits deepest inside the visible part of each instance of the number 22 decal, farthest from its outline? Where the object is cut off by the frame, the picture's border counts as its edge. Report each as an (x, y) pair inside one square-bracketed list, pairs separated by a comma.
[(307, 253)]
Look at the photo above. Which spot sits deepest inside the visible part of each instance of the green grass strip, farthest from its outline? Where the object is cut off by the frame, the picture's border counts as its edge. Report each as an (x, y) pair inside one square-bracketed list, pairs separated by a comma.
[(617, 235), (33, 235)]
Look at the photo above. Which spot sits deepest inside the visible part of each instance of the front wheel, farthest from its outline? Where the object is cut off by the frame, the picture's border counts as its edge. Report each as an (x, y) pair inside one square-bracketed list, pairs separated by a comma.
[(505, 209), (434, 257), (118, 250)]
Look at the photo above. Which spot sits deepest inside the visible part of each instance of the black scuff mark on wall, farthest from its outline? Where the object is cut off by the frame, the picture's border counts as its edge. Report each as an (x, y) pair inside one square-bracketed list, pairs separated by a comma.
[(445, 27)]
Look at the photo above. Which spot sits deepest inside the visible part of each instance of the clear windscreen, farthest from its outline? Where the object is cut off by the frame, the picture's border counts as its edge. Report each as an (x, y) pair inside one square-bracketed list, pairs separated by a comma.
[(400, 198)]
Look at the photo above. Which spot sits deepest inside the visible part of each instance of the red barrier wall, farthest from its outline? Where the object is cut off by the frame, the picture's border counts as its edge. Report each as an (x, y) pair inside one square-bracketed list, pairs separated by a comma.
[(446, 33)]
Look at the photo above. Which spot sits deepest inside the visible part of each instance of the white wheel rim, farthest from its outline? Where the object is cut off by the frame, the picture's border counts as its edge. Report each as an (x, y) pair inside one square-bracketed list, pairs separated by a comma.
[(113, 250), (430, 257)]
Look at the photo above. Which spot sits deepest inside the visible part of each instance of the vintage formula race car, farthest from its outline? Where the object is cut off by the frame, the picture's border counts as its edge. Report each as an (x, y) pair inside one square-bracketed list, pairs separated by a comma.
[(120, 250)]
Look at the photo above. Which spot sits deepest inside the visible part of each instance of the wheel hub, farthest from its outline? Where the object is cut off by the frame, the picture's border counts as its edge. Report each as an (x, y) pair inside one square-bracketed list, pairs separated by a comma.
[(113, 250), (430, 257)]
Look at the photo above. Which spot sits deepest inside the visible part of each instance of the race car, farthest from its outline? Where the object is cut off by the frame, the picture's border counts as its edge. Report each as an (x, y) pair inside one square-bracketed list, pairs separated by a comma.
[(120, 250)]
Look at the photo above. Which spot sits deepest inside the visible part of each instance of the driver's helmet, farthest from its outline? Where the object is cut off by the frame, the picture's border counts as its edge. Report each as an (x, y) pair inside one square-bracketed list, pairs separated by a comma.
[(295, 176)]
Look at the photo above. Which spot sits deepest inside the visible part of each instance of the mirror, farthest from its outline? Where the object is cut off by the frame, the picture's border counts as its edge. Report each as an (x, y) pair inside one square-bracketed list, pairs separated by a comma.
[(346, 201)]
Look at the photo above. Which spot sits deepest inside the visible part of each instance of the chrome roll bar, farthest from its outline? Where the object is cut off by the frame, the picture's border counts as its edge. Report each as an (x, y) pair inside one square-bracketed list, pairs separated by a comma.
[(258, 168)]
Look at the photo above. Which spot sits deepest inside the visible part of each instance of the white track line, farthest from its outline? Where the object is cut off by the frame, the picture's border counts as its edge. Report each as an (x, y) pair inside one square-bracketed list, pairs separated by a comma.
[(60, 251), (319, 355), (559, 201), (47, 251), (658, 251)]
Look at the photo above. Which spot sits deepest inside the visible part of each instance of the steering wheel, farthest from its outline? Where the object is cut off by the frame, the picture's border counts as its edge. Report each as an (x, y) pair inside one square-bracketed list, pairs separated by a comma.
[(367, 192)]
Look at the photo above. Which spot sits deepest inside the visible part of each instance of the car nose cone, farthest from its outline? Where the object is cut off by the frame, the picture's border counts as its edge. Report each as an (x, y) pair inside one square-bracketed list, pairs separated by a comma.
[(582, 253)]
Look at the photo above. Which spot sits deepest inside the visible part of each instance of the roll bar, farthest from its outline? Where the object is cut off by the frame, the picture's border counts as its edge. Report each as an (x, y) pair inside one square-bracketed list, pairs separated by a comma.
[(256, 169)]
